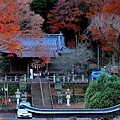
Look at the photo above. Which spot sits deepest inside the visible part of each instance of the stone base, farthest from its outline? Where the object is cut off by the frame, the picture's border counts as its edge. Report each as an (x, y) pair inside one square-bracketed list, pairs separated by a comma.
[(68, 105)]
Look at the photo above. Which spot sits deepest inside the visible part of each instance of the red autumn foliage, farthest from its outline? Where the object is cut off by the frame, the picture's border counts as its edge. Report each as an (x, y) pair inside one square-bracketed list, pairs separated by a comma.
[(66, 15), (105, 23), (16, 21), (103, 13), (112, 7), (9, 24)]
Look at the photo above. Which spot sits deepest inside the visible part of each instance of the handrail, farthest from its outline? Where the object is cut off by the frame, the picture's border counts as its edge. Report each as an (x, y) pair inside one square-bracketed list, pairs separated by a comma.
[(51, 95), (74, 112), (42, 94), (12, 78), (32, 97)]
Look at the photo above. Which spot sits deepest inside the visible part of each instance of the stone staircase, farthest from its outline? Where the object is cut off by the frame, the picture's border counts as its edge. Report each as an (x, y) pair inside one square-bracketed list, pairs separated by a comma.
[(41, 96), (46, 95), (36, 95)]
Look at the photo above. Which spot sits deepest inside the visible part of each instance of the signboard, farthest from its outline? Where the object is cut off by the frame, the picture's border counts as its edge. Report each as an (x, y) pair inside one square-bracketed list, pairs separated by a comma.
[(58, 85)]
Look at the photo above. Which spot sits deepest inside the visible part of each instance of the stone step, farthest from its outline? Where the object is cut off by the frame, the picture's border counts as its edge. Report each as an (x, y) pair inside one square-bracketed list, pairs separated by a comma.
[(36, 95), (46, 95), (41, 100)]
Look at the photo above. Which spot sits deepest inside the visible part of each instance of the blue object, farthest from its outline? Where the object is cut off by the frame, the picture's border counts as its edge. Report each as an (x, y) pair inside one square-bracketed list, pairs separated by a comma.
[(96, 74)]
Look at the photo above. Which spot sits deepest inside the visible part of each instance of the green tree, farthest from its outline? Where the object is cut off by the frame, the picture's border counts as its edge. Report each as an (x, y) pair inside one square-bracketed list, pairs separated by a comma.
[(76, 58), (42, 7), (103, 93)]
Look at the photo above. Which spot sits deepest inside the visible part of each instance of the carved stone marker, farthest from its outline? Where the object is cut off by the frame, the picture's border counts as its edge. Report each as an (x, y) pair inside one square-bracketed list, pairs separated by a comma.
[(60, 98)]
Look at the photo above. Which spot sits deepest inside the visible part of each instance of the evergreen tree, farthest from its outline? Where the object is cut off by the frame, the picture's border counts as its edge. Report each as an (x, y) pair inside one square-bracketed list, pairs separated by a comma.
[(103, 93)]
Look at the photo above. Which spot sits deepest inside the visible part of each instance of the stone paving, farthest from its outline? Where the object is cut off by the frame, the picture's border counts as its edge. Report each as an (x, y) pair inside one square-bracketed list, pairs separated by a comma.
[(56, 105)]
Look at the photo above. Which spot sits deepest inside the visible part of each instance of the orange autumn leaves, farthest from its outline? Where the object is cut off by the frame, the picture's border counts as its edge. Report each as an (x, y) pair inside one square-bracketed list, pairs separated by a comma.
[(16, 19), (112, 7), (103, 15), (65, 15), (9, 26), (105, 25)]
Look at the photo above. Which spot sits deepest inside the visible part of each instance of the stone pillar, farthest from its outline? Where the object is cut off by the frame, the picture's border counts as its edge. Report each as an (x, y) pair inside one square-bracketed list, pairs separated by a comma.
[(83, 77), (68, 77), (54, 78), (63, 78), (31, 73)]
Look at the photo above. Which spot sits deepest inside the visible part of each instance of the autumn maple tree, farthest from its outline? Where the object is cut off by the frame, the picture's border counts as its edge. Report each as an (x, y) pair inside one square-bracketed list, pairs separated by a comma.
[(18, 21), (68, 16), (31, 29), (105, 26), (103, 17), (30, 23), (112, 6), (9, 25)]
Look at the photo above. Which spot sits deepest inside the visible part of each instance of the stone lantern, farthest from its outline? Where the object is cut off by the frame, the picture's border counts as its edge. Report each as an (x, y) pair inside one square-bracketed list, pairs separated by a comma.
[(17, 93), (68, 97)]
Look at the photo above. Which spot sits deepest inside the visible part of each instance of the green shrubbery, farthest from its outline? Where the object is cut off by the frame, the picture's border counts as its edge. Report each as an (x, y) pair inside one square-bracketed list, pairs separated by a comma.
[(103, 93)]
